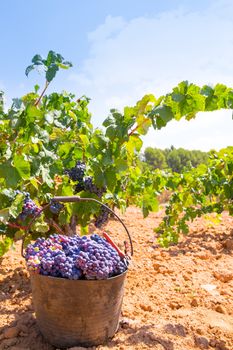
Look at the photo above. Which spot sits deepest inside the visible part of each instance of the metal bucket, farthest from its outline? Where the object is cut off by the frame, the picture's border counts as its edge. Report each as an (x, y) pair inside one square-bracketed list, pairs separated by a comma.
[(81, 312), (77, 312)]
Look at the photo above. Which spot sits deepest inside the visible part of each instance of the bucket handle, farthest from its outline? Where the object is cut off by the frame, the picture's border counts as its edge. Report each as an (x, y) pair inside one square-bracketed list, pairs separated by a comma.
[(75, 199)]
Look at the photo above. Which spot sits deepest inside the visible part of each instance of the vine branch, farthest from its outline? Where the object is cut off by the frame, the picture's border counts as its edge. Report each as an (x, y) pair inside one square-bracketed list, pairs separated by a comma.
[(42, 94)]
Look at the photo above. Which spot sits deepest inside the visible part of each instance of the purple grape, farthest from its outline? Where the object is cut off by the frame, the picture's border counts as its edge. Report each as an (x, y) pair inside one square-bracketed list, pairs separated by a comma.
[(56, 207), (91, 187), (30, 208), (87, 257), (76, 173), (102, 218)]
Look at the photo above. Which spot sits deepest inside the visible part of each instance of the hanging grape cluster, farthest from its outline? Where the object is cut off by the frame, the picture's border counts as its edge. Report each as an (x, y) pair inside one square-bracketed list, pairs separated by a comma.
[(29, 209), (55, 207), (102, 218), (77, 173), (87, 257), (86, 183)]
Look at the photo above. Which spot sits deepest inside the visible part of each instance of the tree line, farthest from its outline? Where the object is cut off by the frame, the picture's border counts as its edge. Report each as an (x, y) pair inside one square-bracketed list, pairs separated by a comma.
[(177, 159)]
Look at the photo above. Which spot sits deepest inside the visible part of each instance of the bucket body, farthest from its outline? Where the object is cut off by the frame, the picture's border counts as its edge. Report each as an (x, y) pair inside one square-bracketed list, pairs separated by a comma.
[(77, 312)]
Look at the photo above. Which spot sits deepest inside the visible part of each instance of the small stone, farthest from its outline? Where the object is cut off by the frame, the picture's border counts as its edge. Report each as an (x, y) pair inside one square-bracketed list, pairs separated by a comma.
[(186, 277), (174, 305), (202, 342), (127, 323), (228, 244), (221, 345), (194, 302), (146, 307), (203, 255), (223, 275), (175, 329), (23, 334), (218, 256), (23, 328), (8, 342), (221, 309), (157, 266), (212, 343), (11, 332)]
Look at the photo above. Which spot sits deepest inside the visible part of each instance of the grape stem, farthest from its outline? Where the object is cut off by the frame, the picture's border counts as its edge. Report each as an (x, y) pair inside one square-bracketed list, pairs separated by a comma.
[(42, 94), (51, 222)]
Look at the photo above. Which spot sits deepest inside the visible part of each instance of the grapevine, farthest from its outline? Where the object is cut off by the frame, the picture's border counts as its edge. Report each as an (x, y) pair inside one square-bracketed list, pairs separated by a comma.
[(50, 148), (198, 191)]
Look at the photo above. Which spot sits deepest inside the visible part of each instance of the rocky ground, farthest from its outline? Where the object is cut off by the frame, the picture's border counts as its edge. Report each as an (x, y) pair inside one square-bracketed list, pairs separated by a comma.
[(175, 299)]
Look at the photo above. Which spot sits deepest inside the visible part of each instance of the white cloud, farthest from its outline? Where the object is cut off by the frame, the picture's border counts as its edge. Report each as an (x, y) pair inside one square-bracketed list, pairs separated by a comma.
[(151, 55)]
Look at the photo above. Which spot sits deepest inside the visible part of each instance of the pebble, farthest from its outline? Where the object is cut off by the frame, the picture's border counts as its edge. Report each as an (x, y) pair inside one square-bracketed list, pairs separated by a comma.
[(223, 275), (194, 302), (221, 309), (201, 342), (7, 343), (146, 307), (203, 255), (174, 305), (186, 277), (228, 244), (11, 332)]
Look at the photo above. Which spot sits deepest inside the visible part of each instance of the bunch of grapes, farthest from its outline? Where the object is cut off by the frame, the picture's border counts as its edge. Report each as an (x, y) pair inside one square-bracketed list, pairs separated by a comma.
[(89, 186), (86, 183), (87, 257), (30, 208), (56, 207), (102, 218), (77, 173)]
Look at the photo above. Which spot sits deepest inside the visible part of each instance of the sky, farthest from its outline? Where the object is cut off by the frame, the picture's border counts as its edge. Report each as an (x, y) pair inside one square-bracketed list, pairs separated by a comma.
[(122, 50)]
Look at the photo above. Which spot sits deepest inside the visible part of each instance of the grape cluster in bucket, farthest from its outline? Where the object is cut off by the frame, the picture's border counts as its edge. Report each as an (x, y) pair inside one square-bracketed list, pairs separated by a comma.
[(86, 257)]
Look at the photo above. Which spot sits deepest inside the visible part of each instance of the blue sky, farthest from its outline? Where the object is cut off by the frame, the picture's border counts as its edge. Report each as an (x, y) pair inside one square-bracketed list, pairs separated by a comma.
[(122, 50)]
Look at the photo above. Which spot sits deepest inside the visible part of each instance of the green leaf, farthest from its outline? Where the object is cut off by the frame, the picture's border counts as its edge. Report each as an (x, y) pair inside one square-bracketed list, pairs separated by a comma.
[(9, 174), (84, 139), (65, 214), (29, 69), (36, 88), (51, 58), (121, 165), (22, 166), (149, 203), (65, 65), (134, 144), (99, 177), (33, 113), (5, 245), (4, 215), (46, 176), (16, 207), (37, 59), (51, 72), (84, 230), (110, 175), (143, 124), (41, 227), (162, 115)]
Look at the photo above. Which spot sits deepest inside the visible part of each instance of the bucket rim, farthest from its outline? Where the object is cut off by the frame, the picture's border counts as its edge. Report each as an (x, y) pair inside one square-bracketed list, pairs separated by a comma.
[(79, 280)]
